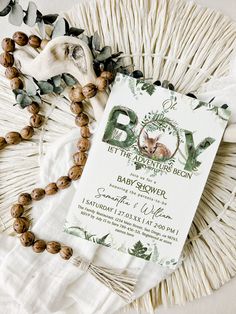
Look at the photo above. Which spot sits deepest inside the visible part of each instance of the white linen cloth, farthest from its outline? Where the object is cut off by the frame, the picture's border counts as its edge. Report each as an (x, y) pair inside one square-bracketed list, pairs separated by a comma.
[(43, 283)]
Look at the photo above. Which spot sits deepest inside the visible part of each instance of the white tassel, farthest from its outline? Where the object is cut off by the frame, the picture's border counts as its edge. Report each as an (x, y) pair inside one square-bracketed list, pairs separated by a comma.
[(119, 282)]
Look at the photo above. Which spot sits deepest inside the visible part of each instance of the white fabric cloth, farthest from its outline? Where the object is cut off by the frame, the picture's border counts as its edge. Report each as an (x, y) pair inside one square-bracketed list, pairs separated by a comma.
[(43, 283)]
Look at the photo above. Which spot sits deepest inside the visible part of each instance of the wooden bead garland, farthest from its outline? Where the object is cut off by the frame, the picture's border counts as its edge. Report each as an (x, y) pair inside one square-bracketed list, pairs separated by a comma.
[(51, 189), (53, 247), (39, 246), (17, 210), (24, 199), (27, 238), (77, 95)]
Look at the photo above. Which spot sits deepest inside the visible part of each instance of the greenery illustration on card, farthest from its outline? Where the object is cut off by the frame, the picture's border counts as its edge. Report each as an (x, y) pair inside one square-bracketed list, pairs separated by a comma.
[(146, 171)]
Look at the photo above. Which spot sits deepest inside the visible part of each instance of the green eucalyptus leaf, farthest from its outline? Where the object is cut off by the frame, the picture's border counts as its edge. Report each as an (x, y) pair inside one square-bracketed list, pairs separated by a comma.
[(16, 15), (117, 54), (4, 4), (41, 27), (23, 100), (39, 16), (50, 18), (31, 14), (96, 41), (36, 99), (58, 89), (85, 38), (5, 11), (69, 79), (75, 31), (45, 87), (56, 80), (30, 86), (18, 91), (104, 54), (61, 28)]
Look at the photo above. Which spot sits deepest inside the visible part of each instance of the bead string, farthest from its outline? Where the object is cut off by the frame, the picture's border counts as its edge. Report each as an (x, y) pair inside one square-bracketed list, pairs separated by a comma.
[(77, 95)]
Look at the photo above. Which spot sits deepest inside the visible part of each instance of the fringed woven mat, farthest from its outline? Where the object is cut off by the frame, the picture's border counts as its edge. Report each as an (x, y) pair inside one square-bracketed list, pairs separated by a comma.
[(166, 39)]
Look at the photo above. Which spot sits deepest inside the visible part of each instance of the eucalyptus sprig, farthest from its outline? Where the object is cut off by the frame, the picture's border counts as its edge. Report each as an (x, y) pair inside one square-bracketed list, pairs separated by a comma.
[(104, 59), (35, 89), (32, 16)]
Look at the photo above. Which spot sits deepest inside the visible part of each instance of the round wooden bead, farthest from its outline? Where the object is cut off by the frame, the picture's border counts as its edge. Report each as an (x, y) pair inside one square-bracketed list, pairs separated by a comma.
[(6, 59), (44, 43), (75, 172), (37, 194), (33, 108), (34, 41), (76, 94), (63, 182), (101, 83), (36, 120), (76, 107), (24, 199), (80, 158), (20, 38), (39, 246), (27, 132), (107, 75), (16, 83), (11, 72), (8, 45), (66, 252), (89, 90), (13, 138), (53, 247), (21, 225), (85, 132), (83, 145), (27, 238), (81, 119), (17, 210), (51, 189), (3, 143)]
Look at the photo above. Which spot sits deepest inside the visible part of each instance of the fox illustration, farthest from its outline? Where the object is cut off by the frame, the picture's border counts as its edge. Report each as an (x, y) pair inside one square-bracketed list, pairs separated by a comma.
[(153, 148)]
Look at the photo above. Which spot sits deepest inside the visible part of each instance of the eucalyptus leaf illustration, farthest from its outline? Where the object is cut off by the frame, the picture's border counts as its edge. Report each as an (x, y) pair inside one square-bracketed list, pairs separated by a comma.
[(192, 163), (102, 240), (223, 113), (155, 254), (139, 250)]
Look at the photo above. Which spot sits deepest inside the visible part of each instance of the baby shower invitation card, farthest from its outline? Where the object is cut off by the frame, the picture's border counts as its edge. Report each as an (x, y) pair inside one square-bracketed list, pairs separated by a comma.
[(146, 171)]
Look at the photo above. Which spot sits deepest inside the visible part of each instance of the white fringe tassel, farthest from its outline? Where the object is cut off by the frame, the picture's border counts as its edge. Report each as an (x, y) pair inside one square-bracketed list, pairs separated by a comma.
[(119, 282), (166, 39)]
